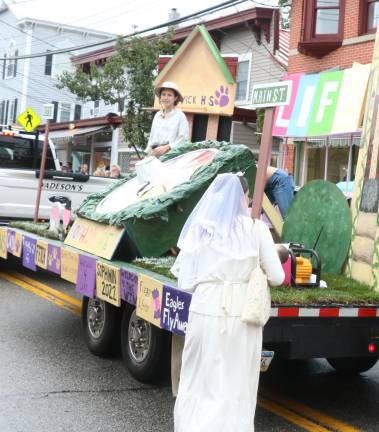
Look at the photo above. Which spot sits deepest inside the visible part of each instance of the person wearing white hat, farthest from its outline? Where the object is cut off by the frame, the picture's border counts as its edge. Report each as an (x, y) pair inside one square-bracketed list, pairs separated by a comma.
[(170, 125)]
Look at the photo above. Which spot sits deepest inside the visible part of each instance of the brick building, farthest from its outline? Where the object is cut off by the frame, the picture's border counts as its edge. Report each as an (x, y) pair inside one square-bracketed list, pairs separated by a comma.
[(328, 34)]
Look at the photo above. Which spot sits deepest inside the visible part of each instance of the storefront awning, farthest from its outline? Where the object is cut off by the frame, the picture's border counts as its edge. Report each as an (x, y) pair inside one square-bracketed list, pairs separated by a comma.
[(68, 133), (336, 141)]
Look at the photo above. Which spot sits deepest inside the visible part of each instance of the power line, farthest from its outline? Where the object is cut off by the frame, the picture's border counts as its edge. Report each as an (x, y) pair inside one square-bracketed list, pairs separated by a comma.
[(212, 9)]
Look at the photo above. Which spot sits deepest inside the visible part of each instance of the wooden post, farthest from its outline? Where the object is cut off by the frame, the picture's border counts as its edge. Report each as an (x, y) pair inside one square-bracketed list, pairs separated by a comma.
[(212, 127), (41, 171), (263, 161)]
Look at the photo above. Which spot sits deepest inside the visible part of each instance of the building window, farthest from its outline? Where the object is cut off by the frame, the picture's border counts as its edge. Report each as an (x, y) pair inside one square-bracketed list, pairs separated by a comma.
[(48, 64), (327, 17), (323, 27), (13, 110), (370, 16), (65, 112), (243, 75), (11, 65), (2, 108)]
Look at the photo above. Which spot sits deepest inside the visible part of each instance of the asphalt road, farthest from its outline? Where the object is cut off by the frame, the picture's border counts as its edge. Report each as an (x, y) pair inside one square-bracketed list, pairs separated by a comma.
[(50, 382)]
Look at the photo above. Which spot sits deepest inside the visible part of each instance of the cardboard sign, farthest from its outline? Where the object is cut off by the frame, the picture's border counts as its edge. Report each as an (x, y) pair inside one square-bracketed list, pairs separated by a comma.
[(3, 243), (41, 254), (86, 280), (10, 240), (108, 283), (129, 286), (69, 265), (202, 75), (175, 306), (93, 237), (29, 252), (54, 259), (17, 249), (149, 299), (318, 103)]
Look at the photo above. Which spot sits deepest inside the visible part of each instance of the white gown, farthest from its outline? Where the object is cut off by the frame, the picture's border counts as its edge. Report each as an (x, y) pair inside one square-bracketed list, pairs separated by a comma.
[(221, 357)]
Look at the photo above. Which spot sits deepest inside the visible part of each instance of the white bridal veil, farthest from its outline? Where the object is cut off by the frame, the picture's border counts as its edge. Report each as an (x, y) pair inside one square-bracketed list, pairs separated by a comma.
[(218, 229)]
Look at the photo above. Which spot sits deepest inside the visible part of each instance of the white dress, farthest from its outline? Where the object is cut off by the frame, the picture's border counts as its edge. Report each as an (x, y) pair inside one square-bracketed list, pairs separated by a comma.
[(221, 357)]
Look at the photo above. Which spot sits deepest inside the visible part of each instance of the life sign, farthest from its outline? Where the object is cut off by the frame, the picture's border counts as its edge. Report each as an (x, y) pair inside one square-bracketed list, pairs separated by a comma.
[(29, 120), (324, 103), (270, 95)]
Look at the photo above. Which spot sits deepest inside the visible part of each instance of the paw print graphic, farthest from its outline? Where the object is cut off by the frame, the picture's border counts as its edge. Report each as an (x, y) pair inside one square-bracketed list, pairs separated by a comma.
[(222, 96)]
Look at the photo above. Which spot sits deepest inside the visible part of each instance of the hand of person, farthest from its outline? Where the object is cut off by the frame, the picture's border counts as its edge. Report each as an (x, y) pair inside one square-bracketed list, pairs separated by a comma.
[(159, 151)]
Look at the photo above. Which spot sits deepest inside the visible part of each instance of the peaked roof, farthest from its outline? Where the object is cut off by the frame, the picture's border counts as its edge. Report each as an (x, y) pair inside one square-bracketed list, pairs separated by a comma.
[(212, 49)]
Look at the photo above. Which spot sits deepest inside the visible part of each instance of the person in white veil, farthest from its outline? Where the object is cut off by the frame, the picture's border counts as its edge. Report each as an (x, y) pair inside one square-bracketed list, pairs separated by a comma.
[(221, 356)]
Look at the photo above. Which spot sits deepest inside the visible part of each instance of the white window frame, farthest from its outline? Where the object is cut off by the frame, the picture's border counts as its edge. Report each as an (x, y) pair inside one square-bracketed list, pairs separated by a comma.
[(10, 65), (243, 58), (11, 112), (60, 111)]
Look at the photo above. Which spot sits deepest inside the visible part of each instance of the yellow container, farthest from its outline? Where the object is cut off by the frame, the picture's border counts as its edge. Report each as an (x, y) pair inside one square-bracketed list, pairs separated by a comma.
[(303, 270)]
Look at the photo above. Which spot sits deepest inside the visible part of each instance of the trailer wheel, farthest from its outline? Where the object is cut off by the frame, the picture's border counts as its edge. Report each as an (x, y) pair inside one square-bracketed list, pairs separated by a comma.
[(101, 326), (352, 365), (146, 349)]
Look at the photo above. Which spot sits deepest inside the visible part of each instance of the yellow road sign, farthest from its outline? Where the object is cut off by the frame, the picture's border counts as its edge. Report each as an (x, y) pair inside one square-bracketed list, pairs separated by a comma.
[(29, 120)]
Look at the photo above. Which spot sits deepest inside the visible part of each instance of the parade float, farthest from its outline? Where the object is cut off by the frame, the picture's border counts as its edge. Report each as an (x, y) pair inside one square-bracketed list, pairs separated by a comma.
[(113, 251)]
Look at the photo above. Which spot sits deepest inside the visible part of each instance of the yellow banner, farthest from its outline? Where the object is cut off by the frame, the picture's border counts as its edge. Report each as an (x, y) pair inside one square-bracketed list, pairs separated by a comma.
[(41, 254), (3, 243), (93, 237), (69, 265), (149, 299), (108, 283), (17, 247)]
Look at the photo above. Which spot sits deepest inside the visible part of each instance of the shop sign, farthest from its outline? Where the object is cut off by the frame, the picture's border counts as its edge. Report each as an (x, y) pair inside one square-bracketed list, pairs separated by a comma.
[(323, 104)]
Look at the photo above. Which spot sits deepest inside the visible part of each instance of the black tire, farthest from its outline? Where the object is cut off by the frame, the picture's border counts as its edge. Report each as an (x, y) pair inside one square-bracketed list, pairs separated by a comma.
[(101, 326), (352, 365), (146, 349)]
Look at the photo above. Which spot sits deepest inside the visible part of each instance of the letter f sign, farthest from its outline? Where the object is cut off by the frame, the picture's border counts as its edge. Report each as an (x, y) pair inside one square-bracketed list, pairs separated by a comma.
[(329, 87)]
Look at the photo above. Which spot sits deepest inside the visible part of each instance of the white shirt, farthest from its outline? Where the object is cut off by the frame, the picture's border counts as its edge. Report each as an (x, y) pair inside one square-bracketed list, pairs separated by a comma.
[(169, 129)]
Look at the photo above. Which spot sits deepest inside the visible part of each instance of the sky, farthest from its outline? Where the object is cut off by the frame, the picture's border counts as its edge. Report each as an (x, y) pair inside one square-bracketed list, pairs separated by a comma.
[(119, 16)]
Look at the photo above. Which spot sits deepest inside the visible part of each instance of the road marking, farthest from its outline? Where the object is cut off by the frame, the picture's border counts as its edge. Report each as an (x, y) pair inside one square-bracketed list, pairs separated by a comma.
[(295, 412), (50, 294), (310, 413), (290, 416), (46, 288)]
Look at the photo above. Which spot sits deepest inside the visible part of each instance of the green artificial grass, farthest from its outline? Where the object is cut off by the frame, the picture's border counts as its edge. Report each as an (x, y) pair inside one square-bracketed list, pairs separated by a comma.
[(341, 291), (41, 229), (160, 265)]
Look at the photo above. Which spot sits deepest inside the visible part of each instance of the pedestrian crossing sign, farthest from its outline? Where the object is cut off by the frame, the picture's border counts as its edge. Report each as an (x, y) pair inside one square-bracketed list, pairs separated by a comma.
[(29, 120)]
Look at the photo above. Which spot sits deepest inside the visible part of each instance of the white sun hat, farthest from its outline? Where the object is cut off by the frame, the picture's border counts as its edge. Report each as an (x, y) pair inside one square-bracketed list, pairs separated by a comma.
[(169, 85)]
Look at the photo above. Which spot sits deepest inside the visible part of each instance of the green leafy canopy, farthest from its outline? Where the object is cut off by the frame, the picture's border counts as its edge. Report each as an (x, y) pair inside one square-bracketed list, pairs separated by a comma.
[(126, 76)]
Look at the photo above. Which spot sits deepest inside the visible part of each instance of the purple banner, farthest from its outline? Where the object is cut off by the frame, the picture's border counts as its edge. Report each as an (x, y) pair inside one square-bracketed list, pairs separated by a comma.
[(29, 252), (129, 286), (54, 259), (174, 311), (10, 240), (86, 280)]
